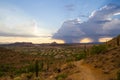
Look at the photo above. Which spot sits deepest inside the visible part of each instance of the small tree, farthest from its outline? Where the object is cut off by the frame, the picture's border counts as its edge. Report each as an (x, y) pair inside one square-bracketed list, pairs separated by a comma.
[(118, 75), (118, 41), (85, 48), (36, 68), (40, 65)]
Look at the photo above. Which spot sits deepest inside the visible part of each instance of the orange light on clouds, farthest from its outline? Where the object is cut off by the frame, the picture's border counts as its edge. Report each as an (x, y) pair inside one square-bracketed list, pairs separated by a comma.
[(105, 39), (44, 40), (29, 39), (86, 40)]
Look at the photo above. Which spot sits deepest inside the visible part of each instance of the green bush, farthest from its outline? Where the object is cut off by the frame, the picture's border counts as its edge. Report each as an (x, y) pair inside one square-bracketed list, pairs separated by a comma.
[(41, 65), (118, 75), (1, 74), (61, 76), (98, 49), (69, 59), (79, 56), (31, 67), (5, 68), (29, 75), (20, 70), (36, 68)]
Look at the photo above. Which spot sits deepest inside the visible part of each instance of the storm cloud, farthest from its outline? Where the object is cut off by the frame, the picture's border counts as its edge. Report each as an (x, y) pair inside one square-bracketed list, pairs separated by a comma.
[(99, 25)]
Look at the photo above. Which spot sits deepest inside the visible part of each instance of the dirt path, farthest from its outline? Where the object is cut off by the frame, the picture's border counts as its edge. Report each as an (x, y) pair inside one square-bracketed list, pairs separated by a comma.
[(86, 73)]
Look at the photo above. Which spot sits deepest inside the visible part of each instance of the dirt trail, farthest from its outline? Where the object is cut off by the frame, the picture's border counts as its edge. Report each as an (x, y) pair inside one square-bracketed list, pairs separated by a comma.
[(86, 72)]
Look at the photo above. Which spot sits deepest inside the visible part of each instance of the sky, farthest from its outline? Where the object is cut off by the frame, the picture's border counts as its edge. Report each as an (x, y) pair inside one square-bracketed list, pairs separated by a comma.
[(69, 21)]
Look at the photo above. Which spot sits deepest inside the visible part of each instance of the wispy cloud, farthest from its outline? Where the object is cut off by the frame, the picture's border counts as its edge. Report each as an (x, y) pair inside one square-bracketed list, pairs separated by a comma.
[(15, 22)]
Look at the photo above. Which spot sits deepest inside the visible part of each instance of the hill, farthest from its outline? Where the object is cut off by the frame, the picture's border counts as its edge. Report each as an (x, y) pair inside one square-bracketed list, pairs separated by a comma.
[(61, 61), (114, 42), (102, 64)]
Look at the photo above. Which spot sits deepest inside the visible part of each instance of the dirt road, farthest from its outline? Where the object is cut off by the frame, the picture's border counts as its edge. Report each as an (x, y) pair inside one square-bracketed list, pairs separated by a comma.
[(86, 73)]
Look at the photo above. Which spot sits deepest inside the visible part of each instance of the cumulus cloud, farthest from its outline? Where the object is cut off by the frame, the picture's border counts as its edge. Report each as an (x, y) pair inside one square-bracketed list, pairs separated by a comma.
[(100, 24)]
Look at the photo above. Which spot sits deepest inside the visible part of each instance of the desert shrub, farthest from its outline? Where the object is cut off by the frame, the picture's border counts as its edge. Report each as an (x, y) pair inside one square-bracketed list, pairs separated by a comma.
[(98, 49), (29, 75), (61, 76), (41, 65), (79, 56), (118, 40), (69, 59), (36, 68), (25, 69), (118, 75), (17, 78), (32, 66), (5, 68), (71, 65), (1, 73), (57, 70), (20, 70)]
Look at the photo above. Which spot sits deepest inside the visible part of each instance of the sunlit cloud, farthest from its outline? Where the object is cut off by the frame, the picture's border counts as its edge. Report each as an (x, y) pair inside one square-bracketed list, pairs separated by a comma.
[(86, 40), (29, 39), (105, 39), (117, 14)]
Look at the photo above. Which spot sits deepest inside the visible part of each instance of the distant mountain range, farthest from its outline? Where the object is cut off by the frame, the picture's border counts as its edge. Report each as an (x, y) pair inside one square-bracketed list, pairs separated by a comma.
[(50, 44)]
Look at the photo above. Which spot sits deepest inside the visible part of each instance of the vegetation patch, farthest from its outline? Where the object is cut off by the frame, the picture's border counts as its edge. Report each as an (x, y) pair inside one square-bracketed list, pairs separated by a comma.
[(79, 56), (61, 76), (118, 75), (97, 49)]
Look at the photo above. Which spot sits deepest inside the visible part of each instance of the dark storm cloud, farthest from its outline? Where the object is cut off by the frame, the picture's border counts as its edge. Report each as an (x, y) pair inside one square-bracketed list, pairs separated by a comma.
[(100, 24)]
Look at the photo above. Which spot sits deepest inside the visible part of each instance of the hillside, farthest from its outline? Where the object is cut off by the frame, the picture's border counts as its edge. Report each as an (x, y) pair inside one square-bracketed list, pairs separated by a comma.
[(98, 66), (13, 63), (18, 60), (109, 61), (61, 62), (114, 42)]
